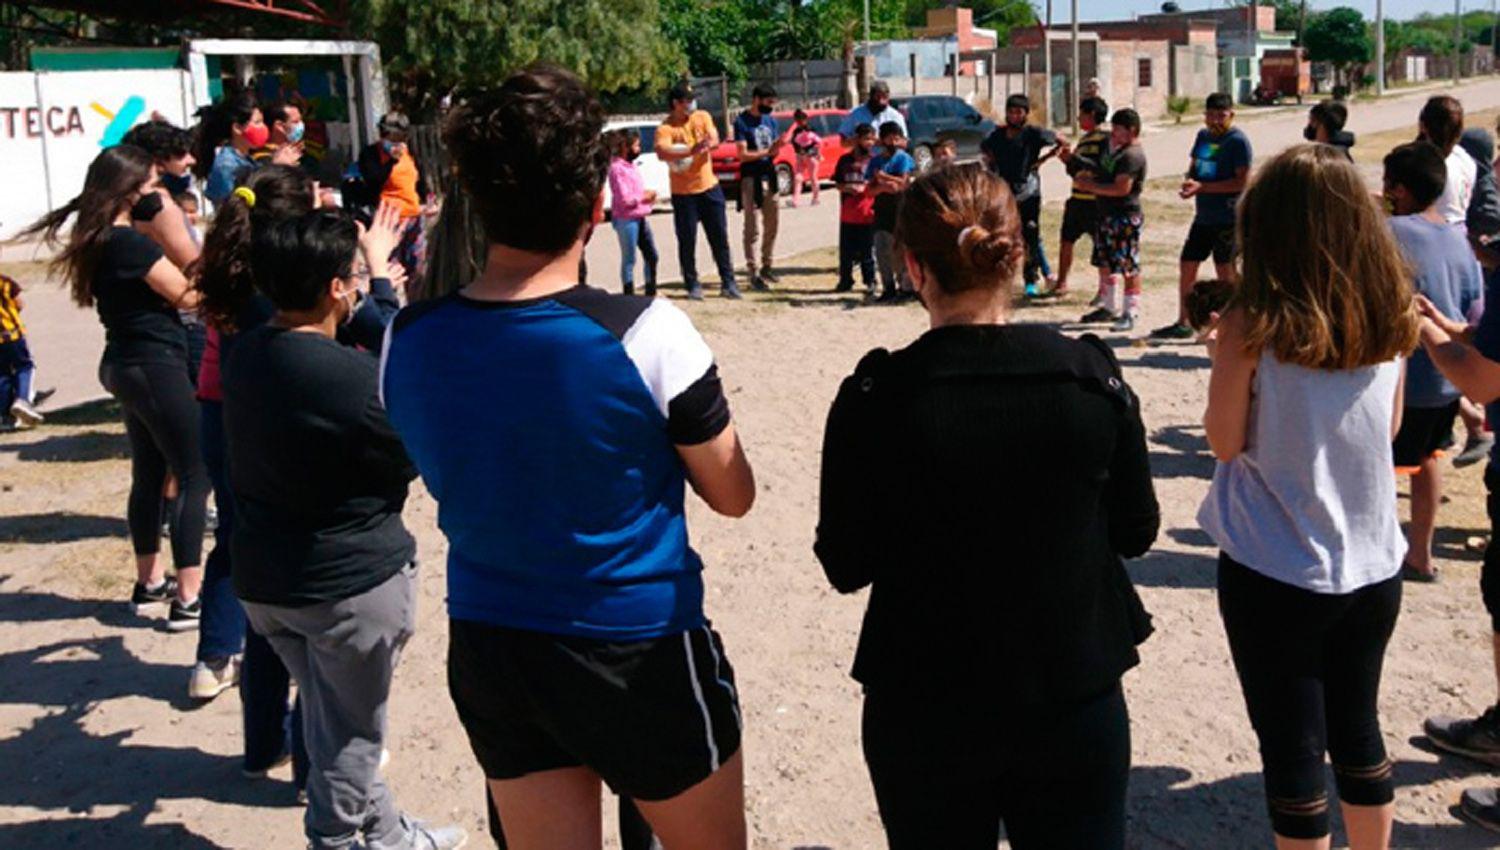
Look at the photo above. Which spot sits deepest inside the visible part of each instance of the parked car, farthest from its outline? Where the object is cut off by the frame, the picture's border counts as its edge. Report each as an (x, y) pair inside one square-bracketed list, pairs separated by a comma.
[(653, 170), (824, 122), (933, 117)]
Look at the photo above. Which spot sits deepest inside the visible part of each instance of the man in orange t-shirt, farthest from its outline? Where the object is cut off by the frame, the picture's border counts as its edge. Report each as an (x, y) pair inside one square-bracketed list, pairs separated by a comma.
[(685, 142), (393, 176)]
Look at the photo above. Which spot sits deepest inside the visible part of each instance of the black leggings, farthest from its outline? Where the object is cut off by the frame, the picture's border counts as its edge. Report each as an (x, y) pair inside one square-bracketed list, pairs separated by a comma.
[(1031, 232), (948, 770), (1309, 665), (161, 420)]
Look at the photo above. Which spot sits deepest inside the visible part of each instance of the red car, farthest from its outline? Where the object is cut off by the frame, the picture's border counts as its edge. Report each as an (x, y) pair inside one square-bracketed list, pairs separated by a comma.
[(824, 122)]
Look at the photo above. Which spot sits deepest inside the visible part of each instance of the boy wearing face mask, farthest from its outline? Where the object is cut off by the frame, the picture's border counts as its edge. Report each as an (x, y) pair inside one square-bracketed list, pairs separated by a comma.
[(286, 130), (757, 142), (1325, 125), (1218, 168), (684, 141), (394, 176)]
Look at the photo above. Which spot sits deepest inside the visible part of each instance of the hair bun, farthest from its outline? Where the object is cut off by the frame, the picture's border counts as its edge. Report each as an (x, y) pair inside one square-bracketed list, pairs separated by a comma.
[(985, 251)]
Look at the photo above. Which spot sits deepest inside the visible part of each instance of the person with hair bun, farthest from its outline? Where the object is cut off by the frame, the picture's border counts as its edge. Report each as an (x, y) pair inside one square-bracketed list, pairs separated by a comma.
[(1000, 619)]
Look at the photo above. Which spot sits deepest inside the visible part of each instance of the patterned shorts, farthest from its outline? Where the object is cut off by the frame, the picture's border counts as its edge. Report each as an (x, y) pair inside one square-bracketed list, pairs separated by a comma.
[(1118, 246)]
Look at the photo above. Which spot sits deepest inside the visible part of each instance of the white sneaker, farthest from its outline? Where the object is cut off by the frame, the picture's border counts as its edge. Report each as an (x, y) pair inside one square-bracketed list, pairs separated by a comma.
[(425, 837), (25, 415), (208, 682)]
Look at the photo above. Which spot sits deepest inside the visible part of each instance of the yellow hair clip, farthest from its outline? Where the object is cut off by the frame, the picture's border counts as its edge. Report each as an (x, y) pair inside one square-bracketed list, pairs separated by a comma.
[(246, 194)]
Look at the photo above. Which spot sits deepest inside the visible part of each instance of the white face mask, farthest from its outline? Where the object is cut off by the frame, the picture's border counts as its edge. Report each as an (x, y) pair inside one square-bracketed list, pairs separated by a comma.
[(692, 106), (351, 298)]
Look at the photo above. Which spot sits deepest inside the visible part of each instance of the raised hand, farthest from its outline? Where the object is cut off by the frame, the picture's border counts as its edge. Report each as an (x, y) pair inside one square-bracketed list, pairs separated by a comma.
[(378, 241)]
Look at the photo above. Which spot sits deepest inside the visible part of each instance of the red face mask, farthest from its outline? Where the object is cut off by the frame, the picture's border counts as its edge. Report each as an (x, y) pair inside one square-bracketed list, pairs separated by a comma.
[(257, 135)]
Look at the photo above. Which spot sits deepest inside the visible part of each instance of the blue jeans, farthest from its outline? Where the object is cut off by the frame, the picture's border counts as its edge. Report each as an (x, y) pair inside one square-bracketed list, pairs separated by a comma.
[(16, 369), (222, 630), (856, 248), (687, 212), (636, 234)]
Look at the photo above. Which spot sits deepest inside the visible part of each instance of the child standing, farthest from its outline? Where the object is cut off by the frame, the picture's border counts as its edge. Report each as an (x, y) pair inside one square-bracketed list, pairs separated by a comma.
[(1118, 189), (808, 146), (1308, 360), (16, 366), (889, 174), (630, 207), (1081, 212), (1447, 274), (856, 212)]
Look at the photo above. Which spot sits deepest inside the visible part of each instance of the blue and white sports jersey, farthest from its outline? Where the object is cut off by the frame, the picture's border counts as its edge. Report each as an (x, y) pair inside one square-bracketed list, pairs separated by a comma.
[(547, 431)]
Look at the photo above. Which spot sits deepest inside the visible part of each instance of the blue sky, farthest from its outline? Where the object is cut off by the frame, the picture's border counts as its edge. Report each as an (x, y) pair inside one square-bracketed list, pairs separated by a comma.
[(1094, 10)]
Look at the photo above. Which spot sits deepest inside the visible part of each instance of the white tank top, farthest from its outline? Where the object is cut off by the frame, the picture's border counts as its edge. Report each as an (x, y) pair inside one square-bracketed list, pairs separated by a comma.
[(1311, 501)]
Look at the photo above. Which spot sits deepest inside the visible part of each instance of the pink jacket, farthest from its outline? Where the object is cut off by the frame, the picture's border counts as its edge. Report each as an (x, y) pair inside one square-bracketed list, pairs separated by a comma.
[(627, 191)]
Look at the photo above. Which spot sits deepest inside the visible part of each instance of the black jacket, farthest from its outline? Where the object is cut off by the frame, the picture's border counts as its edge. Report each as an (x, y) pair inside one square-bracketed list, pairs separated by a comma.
[(986, 481), (375, 169)]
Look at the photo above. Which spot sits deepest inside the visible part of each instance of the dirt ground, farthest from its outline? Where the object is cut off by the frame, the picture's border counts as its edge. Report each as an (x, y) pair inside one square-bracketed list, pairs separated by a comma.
[(100, 747)]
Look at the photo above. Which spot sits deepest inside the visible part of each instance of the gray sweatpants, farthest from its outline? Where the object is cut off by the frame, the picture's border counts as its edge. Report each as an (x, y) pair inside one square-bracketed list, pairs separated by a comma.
[(890, 263), (342, 655)]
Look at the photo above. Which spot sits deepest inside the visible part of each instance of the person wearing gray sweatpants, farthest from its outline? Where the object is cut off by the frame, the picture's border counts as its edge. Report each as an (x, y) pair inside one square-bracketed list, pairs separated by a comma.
[(321, 559)]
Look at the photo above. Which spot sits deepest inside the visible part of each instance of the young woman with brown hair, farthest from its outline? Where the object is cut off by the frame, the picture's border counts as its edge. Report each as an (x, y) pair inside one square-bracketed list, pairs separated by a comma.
[(1000, 619), (1304, 399)]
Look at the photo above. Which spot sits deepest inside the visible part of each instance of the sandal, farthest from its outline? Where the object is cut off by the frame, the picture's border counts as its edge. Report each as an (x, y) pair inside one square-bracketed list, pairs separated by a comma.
[(1412, 574)]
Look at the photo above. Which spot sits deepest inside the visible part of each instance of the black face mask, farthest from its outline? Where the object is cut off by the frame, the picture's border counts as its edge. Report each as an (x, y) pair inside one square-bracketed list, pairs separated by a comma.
[(763, 109), (1310, 133), (146, 208), (177, 185)]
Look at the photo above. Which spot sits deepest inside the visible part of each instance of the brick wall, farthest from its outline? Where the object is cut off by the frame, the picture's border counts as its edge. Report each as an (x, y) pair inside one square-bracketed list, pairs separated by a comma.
[(1122, 81)]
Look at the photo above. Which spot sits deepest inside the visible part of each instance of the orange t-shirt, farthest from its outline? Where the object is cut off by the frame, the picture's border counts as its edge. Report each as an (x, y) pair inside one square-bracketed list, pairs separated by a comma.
[(694, 175), (400, 188)]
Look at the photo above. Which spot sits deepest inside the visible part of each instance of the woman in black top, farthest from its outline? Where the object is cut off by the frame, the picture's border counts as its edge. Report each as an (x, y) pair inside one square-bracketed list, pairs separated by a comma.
[(138, 293), (985, 481)]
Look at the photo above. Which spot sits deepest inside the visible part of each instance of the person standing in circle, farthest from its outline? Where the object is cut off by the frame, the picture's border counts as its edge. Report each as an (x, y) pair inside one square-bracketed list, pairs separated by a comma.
[(991, 676), (685, 142), (1304, 399), (757, 141)]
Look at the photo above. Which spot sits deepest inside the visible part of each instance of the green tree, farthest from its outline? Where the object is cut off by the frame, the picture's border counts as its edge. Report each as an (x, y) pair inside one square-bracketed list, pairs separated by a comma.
[(1340, 38), (434, 46), (1002, 16)]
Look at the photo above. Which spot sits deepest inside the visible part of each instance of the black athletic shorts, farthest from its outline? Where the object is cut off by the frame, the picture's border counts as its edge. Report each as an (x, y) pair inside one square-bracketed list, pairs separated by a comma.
[(1080, 218), (653, 718), (1204, 240), (1425, 431)]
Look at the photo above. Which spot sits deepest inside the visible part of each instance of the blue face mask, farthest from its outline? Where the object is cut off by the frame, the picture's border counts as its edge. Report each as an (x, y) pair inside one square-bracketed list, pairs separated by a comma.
[(176, 185), (294, 132)]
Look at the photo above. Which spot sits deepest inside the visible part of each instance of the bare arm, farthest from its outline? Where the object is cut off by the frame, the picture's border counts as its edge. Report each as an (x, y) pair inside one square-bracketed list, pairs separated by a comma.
[(1400, 402), (720, 473), (168, 229), (1227, 419), (1475, 375), (1232, 186), (1117, 189), (166, 280)]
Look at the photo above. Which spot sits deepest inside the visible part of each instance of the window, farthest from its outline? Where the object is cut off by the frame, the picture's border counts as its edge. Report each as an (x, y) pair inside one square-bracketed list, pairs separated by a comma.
[(648, 138), (950, 107), (1143, 72)]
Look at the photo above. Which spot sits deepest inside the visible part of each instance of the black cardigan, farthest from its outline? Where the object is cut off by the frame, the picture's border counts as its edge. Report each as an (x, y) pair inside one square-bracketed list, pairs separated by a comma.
[(986, 481)]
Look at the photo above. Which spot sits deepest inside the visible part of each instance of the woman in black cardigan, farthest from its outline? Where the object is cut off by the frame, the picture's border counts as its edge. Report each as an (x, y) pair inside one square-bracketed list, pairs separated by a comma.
[(986, 481)]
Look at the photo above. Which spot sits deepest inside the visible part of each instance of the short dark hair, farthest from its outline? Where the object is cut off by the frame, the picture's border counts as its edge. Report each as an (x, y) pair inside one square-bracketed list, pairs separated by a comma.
[(1127, 118), (1420, 168), (799, 114), (880, 86), (277, 111), (391, 122), (949, 142), (294, 259), (763, 90), (532, 157), (162, 140), (1219, 100), (681, 90), (1096, 107), (892, 128), (184, 198), (1331, 114), (1018, 101), (1206, 298), (864, 129), (1442, 119)]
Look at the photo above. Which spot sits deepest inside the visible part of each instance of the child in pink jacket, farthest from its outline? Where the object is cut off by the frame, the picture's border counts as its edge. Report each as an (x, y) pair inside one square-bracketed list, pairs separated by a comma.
[(630, 205)]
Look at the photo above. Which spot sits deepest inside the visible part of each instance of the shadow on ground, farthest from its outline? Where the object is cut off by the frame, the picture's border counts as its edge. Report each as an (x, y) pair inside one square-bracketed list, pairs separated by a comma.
[(59, 527)]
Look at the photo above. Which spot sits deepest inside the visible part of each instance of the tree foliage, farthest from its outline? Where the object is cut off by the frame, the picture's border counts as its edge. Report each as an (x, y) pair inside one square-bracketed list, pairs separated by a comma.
[(1339, 37)]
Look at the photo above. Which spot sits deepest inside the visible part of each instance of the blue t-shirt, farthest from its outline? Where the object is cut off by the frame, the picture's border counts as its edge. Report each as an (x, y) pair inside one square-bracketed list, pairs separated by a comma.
[(1218, 158), (229, 166), (547, 431), (758, 132), (887, 205), (1487, 341), (1447, 273), (862, 115)]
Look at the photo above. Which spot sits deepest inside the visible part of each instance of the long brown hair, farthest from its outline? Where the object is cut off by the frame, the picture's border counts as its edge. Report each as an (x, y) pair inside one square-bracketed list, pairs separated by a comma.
[(1324, 283), (960, 221), (222, 273), (113, 177)]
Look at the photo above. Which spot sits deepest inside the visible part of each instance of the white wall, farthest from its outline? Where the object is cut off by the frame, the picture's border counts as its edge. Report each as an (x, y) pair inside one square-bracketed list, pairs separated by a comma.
[(53, 124)]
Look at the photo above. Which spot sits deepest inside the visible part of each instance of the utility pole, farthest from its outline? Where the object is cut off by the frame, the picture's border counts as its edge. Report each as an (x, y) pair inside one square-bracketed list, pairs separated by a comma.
[(1078, 70), (1458, 39), (1047, 64), (1379, 47)]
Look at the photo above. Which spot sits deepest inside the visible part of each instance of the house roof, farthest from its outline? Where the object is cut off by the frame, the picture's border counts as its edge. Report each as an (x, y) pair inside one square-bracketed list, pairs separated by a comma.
[(333, 13)]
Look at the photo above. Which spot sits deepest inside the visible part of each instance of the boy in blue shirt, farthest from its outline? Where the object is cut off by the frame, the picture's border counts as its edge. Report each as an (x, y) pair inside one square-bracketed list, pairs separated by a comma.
[(888, 175), (1446, 274)]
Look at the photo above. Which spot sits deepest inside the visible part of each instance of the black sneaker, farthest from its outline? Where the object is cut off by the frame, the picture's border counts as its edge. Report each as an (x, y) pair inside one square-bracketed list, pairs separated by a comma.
[(1099, 316), (1478, 739), (758, 283), (769, 276), (695, 293), (844, 287), (731, 292), (149, 597), (1176, 330), (184, 618), (1482, 806)]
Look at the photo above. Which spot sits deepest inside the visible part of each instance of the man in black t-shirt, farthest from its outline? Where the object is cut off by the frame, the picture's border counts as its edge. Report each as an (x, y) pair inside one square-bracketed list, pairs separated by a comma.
[(1118, 188), (1015, 152)]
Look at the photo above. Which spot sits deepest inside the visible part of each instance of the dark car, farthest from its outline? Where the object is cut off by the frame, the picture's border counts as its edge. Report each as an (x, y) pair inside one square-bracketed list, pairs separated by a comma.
[(933, 117)]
